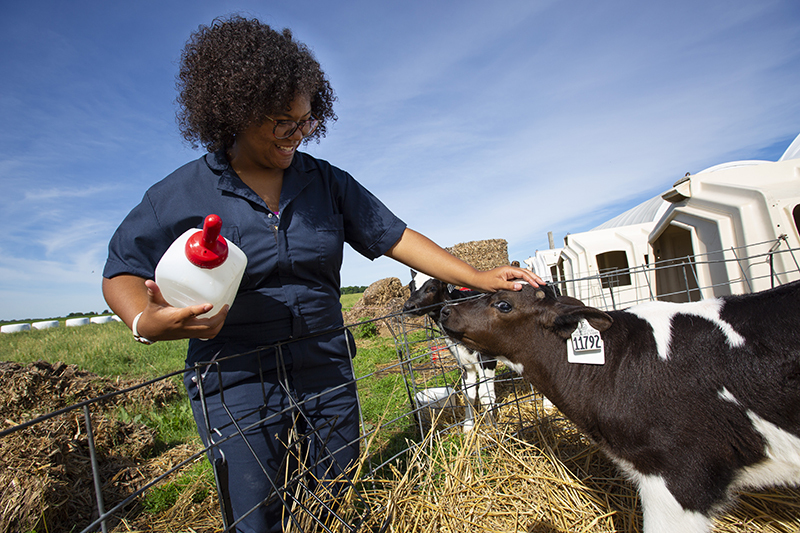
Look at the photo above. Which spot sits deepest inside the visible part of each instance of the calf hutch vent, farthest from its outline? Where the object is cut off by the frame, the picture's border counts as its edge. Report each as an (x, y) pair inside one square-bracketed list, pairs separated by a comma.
[(72, 461)]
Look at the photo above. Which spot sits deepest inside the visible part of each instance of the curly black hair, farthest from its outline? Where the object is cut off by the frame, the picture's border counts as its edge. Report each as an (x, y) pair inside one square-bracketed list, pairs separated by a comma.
[(236, 72)]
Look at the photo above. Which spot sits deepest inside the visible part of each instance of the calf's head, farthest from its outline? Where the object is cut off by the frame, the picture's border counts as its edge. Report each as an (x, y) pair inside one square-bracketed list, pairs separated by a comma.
[(510, 323), (426, 298)]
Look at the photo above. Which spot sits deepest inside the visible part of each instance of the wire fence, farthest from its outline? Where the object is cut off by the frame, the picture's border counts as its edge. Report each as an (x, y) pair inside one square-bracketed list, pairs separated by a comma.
[(434, 396)]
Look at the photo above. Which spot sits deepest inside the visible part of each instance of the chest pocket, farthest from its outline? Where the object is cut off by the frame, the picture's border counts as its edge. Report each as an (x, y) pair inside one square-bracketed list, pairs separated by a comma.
[(330, 241)]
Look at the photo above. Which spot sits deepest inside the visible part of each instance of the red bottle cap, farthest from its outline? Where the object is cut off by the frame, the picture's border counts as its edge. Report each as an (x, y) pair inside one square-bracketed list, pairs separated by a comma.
[(207, 248)]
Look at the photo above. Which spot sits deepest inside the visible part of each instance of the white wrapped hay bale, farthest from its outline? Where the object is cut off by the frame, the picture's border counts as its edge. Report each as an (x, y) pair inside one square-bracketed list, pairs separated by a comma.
[(14, 328), (101, 319), (73, 322), (45, 324)]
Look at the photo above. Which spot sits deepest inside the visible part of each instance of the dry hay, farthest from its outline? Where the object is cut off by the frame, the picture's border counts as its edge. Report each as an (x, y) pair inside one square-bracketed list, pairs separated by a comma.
[(546, 479), (483, 255), (383, 298), (543, 478), (196, 508), (45, 471)]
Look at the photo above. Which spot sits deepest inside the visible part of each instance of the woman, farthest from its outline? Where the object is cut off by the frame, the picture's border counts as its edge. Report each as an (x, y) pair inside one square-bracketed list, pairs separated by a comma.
[(251, 96)]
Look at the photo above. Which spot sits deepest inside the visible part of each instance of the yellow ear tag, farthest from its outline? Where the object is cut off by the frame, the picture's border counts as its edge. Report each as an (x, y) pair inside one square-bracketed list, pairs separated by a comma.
[(585, 346)]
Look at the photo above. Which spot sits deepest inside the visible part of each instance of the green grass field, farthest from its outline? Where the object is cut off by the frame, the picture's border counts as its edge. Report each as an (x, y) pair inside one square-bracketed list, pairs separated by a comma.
[(109, 351), (349, 300), (105, 349)]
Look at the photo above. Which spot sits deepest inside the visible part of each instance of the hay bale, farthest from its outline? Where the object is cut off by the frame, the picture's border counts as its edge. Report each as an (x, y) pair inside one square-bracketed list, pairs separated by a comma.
[(382, 292), (45, 324), (387, 296), (483, 255), (382, 298), (15, 328)]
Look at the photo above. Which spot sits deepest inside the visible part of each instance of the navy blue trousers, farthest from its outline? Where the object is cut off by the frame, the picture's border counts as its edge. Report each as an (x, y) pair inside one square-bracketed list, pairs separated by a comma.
[(309, 386)]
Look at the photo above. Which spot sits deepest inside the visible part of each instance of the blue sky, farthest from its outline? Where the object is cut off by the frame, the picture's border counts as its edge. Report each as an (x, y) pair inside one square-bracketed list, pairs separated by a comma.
[(470, 120)]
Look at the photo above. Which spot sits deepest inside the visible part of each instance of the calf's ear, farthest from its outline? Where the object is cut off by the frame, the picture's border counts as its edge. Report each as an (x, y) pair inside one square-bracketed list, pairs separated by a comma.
[(567, 317)]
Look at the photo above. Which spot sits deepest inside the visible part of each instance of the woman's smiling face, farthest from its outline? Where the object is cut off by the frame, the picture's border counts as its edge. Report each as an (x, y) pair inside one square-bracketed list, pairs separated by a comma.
[(261, 148)]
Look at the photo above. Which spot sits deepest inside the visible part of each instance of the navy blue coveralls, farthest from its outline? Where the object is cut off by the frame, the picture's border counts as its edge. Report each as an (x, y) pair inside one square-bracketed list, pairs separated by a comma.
[(290, 291)]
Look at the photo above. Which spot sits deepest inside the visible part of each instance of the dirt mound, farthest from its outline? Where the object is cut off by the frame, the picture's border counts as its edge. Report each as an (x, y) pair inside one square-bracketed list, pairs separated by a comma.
[(45, 470)]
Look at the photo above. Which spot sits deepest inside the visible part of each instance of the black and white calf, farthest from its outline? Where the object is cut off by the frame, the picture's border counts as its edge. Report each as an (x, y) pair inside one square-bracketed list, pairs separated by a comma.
[(692, 401), (428, 295)]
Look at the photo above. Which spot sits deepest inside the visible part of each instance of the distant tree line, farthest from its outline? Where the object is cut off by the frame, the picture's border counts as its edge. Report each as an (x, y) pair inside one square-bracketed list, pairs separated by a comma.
[(353, 290)]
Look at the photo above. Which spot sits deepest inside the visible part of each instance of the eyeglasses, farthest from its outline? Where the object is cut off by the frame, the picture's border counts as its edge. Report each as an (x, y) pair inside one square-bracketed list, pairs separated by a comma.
[(284, 129)]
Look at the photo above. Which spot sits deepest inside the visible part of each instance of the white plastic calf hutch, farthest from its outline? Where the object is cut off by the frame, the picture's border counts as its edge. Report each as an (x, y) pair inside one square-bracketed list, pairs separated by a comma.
[(729, 229), (607, 266), (544, 263)]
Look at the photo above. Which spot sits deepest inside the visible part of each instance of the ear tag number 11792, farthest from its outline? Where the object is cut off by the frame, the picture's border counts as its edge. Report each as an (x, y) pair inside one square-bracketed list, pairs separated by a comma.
[(585, 346)]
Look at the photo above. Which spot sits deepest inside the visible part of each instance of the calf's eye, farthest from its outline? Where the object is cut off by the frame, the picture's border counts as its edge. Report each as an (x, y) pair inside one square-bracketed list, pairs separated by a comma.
[(502, 306)]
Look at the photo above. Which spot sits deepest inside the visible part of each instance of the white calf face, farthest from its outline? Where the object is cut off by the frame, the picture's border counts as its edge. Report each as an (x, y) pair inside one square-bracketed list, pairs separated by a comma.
[(418, 279)]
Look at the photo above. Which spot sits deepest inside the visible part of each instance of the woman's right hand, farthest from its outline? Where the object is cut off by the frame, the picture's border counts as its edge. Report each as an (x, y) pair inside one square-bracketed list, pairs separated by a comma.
[(160, 321), (129, 295)]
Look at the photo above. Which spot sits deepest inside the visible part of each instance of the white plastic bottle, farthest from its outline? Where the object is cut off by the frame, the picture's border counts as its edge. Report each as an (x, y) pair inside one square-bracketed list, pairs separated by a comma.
[(201, 267)]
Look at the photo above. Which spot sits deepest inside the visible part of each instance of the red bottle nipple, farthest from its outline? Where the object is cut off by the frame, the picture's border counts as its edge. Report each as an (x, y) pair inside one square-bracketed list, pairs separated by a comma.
[(206, 248)]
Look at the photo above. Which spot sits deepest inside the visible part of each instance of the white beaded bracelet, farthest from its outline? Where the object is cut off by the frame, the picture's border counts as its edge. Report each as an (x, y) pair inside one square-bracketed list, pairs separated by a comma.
[(135, 331)]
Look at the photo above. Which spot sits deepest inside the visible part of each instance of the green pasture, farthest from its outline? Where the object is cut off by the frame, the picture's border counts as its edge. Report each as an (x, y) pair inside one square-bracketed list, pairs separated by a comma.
[(109, 351), (349, 300)]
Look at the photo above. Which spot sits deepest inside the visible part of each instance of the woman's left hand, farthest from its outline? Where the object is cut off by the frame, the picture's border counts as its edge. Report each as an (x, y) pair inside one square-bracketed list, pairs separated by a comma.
[(420, 253), (505, 277)]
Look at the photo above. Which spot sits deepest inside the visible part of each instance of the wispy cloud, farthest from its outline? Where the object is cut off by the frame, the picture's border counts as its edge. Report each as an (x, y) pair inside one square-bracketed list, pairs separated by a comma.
[(503, 121)]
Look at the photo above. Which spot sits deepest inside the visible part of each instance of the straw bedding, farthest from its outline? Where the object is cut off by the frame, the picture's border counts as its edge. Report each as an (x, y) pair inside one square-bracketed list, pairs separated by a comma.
[(544, 478), (45, 471), (547, 479)]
